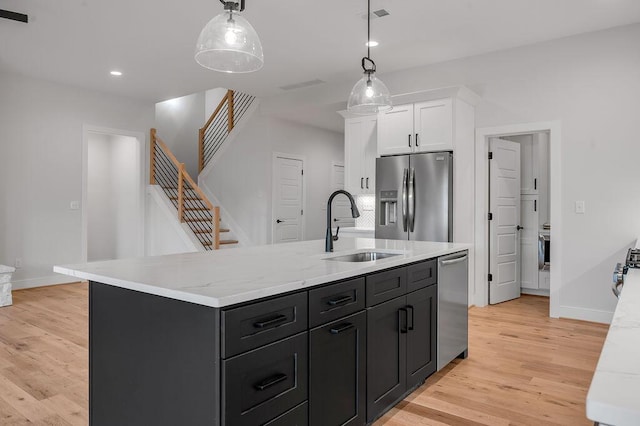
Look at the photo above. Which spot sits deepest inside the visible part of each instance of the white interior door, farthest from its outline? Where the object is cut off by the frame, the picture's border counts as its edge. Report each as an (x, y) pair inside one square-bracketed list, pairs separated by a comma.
[(504, 205), (341, 209), (287, 199)]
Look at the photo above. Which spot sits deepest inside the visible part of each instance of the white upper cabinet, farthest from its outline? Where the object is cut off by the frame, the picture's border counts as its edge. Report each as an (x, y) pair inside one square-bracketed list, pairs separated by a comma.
[(433, 125), (360, 149), (529, 148), (420, 127), (395, 130)]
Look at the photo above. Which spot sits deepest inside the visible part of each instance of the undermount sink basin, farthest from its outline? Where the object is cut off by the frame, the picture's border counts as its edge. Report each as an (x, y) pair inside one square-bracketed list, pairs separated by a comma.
[(367, 256)]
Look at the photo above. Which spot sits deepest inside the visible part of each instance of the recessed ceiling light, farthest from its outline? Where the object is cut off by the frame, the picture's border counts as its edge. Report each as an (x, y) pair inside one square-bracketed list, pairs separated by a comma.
[(371, 43), (116, 73)]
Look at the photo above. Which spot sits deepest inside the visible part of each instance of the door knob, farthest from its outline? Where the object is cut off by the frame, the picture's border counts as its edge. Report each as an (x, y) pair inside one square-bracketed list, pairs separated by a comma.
[(279, 221), (519, 227)]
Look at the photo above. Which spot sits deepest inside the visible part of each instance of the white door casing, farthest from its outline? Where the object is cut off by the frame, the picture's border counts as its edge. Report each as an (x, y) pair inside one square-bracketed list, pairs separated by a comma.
[(504, 205), (288, 198)]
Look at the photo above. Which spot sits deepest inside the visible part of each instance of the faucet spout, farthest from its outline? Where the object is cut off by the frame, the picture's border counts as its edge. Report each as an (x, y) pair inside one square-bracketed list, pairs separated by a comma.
[(329, 238)]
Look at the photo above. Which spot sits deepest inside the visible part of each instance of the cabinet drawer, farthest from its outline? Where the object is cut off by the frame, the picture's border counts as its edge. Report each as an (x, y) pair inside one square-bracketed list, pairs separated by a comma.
[(386, 285), (261, 323), (335, 301), (422, 275), (299, 416), (266, 382)]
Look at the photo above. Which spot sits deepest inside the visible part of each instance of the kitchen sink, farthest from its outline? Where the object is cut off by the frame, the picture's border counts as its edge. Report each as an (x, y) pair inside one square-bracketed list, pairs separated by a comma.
[(367, 256)]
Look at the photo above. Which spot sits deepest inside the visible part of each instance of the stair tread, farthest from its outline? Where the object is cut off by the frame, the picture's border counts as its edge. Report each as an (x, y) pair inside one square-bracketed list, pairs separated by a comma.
[(221, 242), (208, 231)]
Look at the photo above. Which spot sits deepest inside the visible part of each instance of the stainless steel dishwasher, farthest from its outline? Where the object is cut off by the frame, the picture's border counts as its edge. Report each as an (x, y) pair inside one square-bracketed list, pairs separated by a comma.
[(453, 313)]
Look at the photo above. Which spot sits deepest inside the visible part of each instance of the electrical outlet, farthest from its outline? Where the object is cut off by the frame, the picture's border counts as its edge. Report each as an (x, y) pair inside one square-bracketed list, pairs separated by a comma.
[(580, 208), (18, 263), (74, 205)]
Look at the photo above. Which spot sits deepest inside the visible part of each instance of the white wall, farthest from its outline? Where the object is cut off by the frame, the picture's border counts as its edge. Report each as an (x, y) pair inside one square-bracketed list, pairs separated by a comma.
[(163, 232), (241, 178), (41, 169), (113, 197), (591, 83), (212, 99), (178, 121)]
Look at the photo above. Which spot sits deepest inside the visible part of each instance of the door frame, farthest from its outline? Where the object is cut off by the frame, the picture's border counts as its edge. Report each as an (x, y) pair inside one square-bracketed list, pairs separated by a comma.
[(143, 159), (482, 204), (274, 160)]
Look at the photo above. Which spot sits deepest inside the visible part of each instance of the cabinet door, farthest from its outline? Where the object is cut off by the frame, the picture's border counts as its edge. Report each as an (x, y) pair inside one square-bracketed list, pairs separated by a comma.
[(529, 242), (395, 131), (529, 159), (353, 156), (422, 307), (337, 372), (433, 126), (386, 355), (370, 146)]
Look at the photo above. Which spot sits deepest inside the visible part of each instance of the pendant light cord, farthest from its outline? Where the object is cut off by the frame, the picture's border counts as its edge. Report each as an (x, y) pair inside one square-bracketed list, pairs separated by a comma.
[(369, 29)]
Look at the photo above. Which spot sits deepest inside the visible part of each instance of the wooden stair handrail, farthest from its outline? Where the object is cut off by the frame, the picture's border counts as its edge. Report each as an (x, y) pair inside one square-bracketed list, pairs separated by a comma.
[(183, 175), (228, 97)]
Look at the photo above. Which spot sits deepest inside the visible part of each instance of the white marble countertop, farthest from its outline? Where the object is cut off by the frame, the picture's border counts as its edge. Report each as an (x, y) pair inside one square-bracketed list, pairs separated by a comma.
[(614, 395), (230, 276)]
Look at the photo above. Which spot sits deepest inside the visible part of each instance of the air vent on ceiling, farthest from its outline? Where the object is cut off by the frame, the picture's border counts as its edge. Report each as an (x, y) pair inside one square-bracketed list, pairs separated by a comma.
[(380, 13), (303, 84)]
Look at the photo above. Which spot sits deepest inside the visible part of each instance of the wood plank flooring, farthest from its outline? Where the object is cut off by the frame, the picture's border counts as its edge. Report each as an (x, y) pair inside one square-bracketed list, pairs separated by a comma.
[(523, 368)]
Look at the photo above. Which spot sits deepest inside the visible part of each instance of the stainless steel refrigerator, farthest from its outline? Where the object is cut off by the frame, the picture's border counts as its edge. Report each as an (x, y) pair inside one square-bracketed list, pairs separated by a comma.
[(414, 197)]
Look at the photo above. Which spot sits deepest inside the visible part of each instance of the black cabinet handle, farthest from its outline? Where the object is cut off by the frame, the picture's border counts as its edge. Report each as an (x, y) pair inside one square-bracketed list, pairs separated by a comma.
[(410, 327), (270, 381), (340, 301), (361, 183), (409, 140), (270, 321), (341, 328), (367, 183), (403, 329), (417, 141)]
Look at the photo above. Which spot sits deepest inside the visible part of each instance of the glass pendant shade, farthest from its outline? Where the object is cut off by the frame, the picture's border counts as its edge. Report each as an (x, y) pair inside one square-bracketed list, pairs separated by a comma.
[(369, 96), (228, 43)]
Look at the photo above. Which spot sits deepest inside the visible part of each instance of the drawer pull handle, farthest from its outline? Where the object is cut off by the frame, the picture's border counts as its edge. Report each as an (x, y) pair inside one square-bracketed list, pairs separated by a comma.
[(410, 327), (270, 381), (340, 301), (403, 328), (341, 328), (270, 321)]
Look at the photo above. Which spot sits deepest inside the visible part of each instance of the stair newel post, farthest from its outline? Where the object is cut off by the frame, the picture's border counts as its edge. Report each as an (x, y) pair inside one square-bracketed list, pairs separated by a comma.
[(230, 110), (216, 228), (181, 192), (201, 149), (152, 157)]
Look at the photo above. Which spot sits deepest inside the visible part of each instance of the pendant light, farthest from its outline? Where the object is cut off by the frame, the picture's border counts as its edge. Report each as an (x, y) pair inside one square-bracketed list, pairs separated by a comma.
[(369, 95), (228, 43)]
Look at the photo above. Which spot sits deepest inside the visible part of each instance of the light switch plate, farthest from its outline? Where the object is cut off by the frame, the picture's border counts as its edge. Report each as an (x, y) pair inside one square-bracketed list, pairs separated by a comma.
[(74, 205), (580, 209)]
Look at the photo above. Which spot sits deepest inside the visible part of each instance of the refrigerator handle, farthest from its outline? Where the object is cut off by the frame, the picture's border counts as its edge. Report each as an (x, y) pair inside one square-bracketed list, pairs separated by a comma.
[(412, 198), (405, 173)]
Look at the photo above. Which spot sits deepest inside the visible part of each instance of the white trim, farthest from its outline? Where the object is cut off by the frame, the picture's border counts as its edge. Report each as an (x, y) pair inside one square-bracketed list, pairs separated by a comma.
[(584, 314), (142, 158), (43, 281), (230, 138), (182, 229), (242, 238), (481, 229), (303, 220)]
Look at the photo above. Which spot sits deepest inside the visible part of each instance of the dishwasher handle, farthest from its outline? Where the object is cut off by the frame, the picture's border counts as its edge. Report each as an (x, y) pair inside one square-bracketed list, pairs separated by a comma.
[(453, 261)]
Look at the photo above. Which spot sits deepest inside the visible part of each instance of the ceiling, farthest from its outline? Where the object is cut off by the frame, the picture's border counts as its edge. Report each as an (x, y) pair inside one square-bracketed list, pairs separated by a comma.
[(78, 42)]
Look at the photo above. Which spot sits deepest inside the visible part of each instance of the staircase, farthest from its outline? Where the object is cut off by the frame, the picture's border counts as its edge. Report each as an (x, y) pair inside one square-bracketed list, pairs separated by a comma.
[(193, 207)]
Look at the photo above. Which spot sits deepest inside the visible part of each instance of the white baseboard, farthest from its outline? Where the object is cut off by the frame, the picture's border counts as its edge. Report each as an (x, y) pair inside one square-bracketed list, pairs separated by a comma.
[(43, 281), (534, 292), (592, 315)]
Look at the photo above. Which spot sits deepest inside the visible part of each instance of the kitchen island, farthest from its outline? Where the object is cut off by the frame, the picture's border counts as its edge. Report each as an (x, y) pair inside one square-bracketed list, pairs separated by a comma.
[(614, 394), (277, 335)]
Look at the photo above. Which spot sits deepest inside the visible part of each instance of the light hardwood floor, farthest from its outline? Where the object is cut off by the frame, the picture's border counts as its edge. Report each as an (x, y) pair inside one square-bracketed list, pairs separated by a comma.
[(523, 368)]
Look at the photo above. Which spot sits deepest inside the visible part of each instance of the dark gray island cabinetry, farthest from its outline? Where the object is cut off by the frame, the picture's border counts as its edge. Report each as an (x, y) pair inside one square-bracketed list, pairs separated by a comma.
[(340, 353)]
